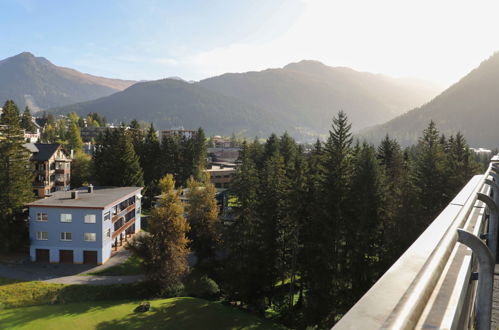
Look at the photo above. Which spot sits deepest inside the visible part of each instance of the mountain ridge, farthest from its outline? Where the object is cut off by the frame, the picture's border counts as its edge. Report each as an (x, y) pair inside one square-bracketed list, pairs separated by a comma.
[(38, 83), (300, 98), (469, 106)]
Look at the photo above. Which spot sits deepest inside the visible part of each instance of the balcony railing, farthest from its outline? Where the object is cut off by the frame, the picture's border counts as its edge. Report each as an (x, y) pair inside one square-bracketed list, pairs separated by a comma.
[(433, 284)]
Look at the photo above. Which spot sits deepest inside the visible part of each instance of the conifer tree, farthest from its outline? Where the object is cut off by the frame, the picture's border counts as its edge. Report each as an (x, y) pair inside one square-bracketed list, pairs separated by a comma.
[(202, 215), (244, 271), (115, 160), (430, 175), (164, 249), (74, 138), (81, 169), (328, 278), (150, 156), (27, 121), (16, 175), (365, 224)]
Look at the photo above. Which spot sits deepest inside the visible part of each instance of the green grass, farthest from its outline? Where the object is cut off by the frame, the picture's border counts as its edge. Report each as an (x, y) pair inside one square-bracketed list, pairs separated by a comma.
[(131, 266), (20, 294), (174, 313)]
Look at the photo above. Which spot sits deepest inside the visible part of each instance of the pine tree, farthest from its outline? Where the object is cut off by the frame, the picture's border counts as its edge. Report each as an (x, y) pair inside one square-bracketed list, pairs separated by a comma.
[(81, 169), (16, 175), (430, 175), (365, 226), (115, 160), (131, 173), (328, 277), (202, 215), (74, 138), (164, 249), (149, 155), (27, 121), (244, 274), (169, 161)]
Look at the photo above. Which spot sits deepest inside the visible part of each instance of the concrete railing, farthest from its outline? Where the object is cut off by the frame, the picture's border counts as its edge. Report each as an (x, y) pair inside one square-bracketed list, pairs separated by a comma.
[(433, 284)]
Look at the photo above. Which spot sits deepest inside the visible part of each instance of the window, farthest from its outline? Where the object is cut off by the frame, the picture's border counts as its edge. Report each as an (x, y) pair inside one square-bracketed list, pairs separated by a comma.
[(90, 218), (89, 237), (42, 235), (66, 217), (42, 217), (66, 237), (107, 216), (108, 233)]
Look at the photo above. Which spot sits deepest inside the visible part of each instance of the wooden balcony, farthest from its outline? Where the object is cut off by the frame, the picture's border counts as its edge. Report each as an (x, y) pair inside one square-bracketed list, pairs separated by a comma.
[(122, 213), (123, 228)]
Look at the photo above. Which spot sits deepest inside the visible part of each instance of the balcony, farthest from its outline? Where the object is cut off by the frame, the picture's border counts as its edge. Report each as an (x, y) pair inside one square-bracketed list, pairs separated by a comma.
[(123, 228), (122, 213)]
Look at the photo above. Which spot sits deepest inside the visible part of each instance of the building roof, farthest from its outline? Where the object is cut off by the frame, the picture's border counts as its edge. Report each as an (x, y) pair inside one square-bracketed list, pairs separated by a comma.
[(99, 198), (45, 150), (40, 122), (31, 147)]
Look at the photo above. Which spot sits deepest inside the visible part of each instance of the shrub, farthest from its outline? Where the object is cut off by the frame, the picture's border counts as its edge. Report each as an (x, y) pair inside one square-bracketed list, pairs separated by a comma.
[(203, 287)]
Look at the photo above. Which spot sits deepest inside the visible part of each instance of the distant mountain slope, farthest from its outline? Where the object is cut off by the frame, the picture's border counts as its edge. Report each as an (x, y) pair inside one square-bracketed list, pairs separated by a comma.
[(470, 106), (309, 93), (36, 82), (172, 103), (301, 98)]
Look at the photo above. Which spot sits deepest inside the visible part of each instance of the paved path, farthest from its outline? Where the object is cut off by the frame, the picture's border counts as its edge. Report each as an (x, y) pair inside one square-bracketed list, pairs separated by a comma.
[(68, 273)]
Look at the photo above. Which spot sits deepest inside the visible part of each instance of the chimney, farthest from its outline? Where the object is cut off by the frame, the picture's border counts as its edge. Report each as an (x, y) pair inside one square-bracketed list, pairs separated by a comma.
[(74, 194), (90, 188)]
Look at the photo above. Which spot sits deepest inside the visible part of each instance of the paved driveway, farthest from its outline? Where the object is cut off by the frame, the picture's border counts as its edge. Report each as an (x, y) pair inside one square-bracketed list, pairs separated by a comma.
[(68, 273)]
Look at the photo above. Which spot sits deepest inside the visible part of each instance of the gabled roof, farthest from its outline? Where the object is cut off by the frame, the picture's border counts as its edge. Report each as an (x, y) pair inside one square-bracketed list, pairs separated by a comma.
[(45, 151), (40, 122)]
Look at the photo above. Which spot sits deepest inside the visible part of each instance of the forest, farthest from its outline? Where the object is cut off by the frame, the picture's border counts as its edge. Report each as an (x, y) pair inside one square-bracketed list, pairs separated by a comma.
[(312, 227)]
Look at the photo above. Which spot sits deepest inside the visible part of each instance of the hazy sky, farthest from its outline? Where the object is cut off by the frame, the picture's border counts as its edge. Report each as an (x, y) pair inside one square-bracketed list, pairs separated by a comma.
[(438, 40)]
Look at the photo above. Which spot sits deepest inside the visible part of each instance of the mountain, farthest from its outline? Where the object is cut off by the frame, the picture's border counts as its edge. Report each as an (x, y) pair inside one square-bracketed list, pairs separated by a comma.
[(36, 82), (173, 103), (301, 98), (309, 93), (470, 106)]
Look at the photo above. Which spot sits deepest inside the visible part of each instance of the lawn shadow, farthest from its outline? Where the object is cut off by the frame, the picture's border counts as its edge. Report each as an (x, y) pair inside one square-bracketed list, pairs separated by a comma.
[(188, 313), (16, 317)]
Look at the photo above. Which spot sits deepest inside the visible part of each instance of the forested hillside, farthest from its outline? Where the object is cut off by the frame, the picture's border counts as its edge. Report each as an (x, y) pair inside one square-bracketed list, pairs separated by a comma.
[(470, 106), (299, 98)]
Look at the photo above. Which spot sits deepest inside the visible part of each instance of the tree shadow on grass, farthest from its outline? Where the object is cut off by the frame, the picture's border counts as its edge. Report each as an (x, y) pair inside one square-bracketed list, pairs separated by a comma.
[(16, 317), (188, 313)]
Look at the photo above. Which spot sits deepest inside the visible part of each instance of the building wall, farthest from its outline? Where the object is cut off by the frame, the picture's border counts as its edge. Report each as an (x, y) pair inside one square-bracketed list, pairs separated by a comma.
[(77, 227)]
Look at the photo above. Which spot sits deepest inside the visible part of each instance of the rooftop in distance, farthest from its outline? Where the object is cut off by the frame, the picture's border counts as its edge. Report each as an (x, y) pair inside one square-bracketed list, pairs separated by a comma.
[(99, 198)]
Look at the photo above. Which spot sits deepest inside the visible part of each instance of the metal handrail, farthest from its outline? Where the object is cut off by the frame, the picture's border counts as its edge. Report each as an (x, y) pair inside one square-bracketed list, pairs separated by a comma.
[(398, 299)]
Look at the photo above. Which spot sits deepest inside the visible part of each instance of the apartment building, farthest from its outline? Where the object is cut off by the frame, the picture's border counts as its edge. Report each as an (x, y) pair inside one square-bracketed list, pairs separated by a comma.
[(83, 226), (52, 168)]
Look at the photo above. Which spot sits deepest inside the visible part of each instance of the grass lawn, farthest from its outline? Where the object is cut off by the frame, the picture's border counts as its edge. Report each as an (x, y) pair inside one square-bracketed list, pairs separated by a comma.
[(21, 294), (131, 266), (174, 313)]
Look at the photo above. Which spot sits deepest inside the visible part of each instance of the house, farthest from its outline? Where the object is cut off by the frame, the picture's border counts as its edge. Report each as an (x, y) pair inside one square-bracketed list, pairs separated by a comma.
[(52, 168), (182, 133), (83, 226), (221, 175)]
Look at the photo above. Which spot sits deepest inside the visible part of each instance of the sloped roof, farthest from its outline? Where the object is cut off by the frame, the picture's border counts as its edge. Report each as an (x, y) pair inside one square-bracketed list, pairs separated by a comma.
[(45, 151)]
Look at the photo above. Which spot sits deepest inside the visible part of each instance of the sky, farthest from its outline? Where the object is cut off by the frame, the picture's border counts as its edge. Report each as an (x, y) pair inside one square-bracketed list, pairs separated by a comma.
[(439, 41)]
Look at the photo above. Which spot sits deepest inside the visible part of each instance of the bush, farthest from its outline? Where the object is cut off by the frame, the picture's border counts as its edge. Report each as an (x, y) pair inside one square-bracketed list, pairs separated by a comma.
[(174, 290), (203, 287)]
